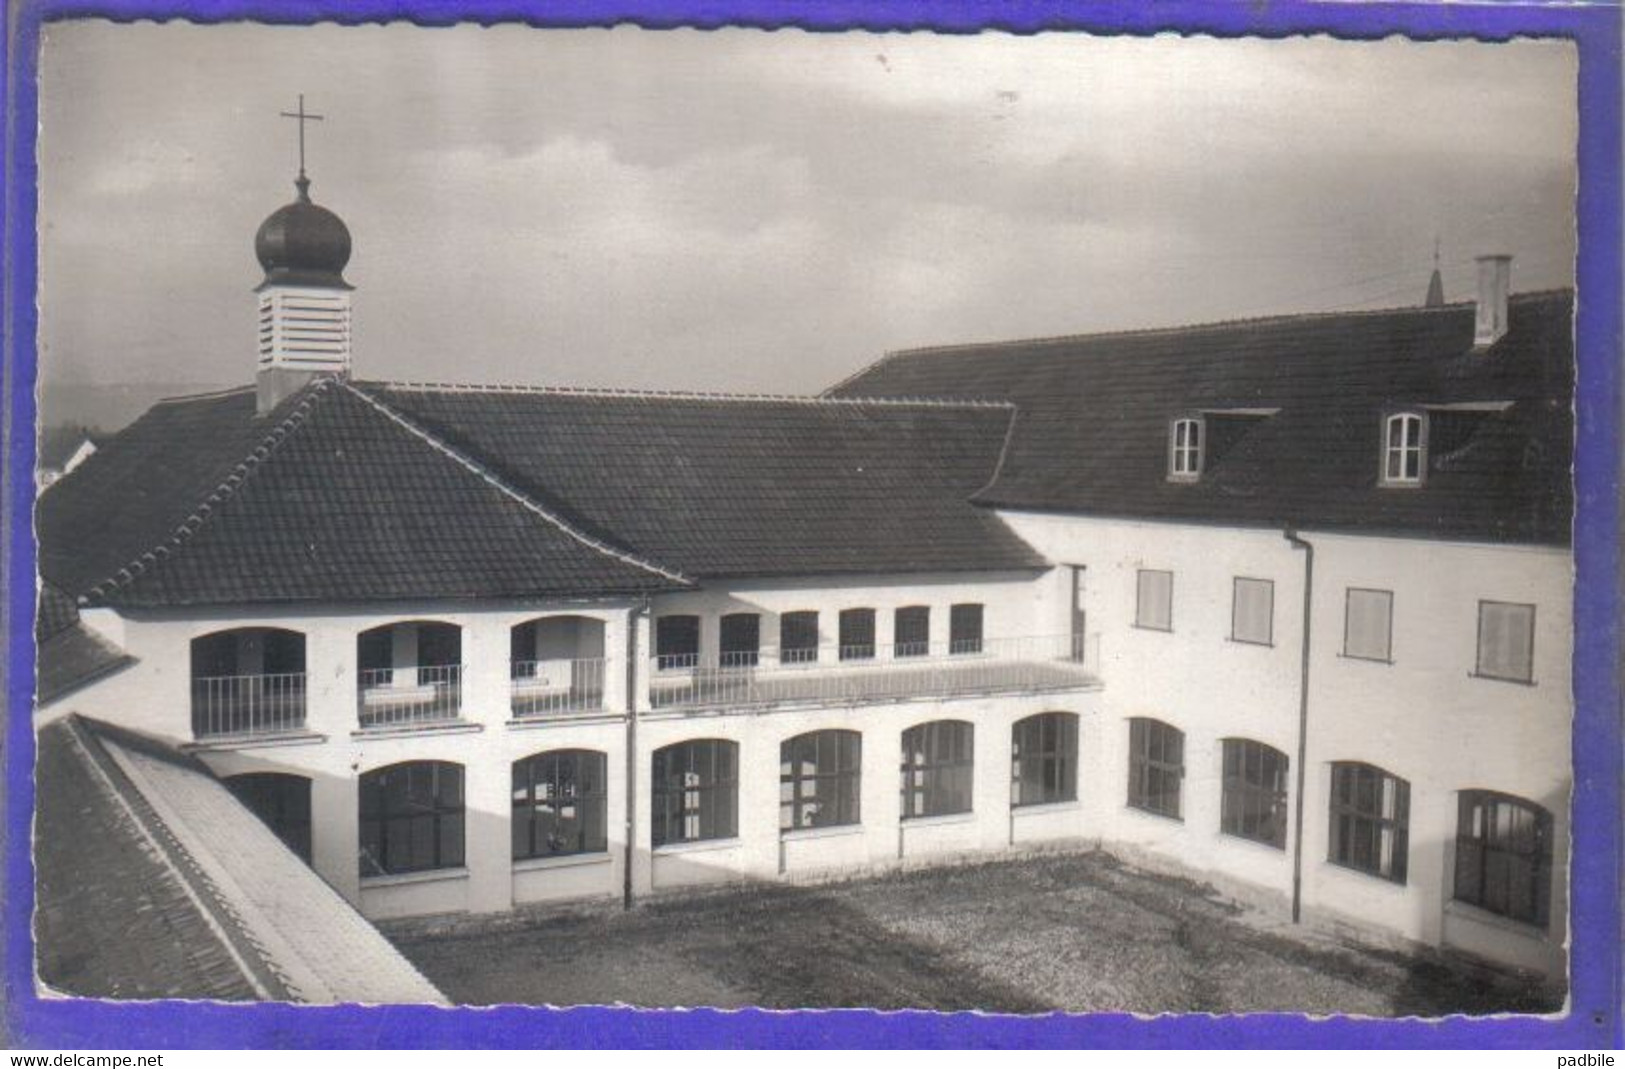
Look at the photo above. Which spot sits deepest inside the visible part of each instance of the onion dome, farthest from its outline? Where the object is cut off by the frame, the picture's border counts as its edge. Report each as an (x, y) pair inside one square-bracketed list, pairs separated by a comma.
[(303, 244)]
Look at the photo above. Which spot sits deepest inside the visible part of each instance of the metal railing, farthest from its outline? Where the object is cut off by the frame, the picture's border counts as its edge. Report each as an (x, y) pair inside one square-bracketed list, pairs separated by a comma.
[(872, 672), (542, 688), (266, 704), (411, 695)]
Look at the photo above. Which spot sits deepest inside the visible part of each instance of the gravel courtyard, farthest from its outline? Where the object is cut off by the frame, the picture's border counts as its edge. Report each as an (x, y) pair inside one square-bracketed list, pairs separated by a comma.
[(1073, 932)]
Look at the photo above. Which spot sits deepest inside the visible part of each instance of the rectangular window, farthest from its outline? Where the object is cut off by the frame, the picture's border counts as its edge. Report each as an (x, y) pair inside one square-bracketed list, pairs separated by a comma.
[(857, 634), (1252, 611), (1185, 449), (1253, 805), (965, 629), (1371, 813), (1155, 608), (798, 638), (1156, 766), (1506, 641), (677, 642), (911, 631), (741, 640), (1368, 622), (1504, 856)]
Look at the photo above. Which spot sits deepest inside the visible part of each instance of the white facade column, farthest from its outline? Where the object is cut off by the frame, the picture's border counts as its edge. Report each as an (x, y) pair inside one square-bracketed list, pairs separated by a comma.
[(486, 684), (335, 819), (330, 679), (488, 843), (881, 791)]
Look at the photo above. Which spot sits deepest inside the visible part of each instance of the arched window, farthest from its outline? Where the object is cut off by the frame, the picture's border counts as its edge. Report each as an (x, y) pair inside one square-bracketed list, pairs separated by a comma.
[(248, 681), (695, 792), (677, 642), (282, 801), (556, 664), (560, 804), (1044, 759), (1403, 452), (938, 767), (1504, 856), (1253, 805), (409, 672), (1185, 449), (1156, 766), (857, 634), (819, 779), (412, 818), (1371, 815)]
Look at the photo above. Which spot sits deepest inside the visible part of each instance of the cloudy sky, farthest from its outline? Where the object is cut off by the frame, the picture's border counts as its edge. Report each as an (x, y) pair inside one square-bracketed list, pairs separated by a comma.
[(750, 211)]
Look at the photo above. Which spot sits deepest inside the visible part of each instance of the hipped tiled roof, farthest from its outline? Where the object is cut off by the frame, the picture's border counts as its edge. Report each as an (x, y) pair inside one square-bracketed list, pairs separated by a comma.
[(1091, 434), (332, 497), (719, 486), (155, 882)]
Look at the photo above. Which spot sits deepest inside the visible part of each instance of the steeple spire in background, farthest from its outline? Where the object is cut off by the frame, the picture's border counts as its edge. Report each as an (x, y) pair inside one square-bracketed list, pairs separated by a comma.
[(1435, 298)]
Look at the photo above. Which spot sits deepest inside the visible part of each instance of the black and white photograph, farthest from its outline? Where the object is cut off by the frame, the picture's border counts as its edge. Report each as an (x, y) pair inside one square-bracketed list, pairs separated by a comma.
[(599, 517)]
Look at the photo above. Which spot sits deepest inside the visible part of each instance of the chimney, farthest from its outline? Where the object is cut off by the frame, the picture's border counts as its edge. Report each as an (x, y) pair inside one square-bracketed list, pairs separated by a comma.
[(1490, 315)]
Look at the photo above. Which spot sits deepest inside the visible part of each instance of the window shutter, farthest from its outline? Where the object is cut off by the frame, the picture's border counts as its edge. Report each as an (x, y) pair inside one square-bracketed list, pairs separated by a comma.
[(1369, 624), (1155, 608), (1505, 632), (1253, 611)]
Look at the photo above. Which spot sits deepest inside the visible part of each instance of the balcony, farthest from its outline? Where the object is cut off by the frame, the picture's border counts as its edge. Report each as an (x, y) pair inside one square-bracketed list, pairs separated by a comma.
[(873, 673), (409, 696), (247, 706), (541, 689)]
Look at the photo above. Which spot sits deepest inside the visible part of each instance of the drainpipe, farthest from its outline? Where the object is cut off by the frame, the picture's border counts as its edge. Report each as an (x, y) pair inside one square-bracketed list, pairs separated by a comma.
[(632, 616), (1303, 720)]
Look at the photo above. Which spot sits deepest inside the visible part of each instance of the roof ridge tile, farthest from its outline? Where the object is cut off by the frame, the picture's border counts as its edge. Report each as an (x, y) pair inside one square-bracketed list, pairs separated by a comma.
[(194, 521), (815, 400), (525, 500), (1184, 328)]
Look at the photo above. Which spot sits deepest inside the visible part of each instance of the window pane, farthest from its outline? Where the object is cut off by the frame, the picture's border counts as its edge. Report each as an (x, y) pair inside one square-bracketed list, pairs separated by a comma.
[(741, 640), (965, 629), (798, 637), (912, 631), (857, 634), (677, 641)]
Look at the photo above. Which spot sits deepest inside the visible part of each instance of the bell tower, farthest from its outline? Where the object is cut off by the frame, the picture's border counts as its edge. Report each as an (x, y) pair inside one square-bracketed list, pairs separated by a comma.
[(304, 301)]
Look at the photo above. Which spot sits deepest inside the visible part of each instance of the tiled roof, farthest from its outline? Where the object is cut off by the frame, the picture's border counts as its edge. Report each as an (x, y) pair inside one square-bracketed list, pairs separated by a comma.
[(1091, 433), (70, 654), (155, 882), (728, 486), (331, 498)]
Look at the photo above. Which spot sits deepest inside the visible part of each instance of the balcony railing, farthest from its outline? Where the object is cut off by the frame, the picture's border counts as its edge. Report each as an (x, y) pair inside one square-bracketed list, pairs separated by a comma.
[(266, 704), (872, 672), (390, 697), (544, 688)]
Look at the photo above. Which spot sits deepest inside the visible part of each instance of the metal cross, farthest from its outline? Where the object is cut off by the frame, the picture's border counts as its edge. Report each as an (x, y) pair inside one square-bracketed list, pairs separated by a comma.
[(302, 115)]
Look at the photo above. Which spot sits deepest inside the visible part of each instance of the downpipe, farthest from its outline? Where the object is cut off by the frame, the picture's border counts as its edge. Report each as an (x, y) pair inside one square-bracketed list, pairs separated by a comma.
[(633, 615), (1303, 720)]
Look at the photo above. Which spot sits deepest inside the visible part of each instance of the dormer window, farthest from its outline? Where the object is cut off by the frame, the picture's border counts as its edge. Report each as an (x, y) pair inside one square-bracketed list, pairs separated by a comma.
[(1185, 449), (1404, 451)]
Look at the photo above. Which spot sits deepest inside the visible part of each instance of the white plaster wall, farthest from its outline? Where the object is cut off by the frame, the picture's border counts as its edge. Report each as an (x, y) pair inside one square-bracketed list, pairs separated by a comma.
[(1425, 717), (882, 839), (1014, 605)]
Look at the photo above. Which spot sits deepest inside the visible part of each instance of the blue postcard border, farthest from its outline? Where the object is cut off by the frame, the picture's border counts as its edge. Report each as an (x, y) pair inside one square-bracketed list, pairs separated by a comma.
[(1593, 1020)]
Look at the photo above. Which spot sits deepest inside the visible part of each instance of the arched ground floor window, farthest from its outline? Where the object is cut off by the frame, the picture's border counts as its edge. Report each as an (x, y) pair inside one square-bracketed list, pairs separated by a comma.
[(1504, 856), (412, 818), (1370, 815), (819, 779), (1156, 767), (938, 768), (695, 792), (1253, 805), (1044, 759), (282, 801), (560, 804)]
